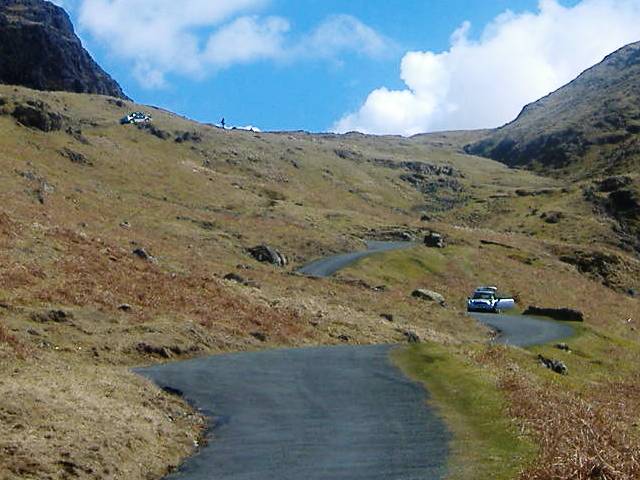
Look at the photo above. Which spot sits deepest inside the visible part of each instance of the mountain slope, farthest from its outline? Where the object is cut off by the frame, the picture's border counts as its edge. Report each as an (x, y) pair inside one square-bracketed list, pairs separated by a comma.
[(588, 127), (39, 49)]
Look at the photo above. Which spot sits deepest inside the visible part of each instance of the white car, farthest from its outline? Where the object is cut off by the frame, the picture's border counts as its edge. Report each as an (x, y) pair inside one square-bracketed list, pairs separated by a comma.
[(135, 118), (486, 299)]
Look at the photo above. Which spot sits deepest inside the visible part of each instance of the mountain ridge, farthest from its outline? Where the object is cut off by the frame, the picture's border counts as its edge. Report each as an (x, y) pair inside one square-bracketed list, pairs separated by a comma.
[(39, 49)]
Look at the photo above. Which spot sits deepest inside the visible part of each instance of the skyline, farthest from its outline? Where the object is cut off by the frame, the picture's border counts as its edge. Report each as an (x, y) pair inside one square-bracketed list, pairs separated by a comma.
[(365, 66)]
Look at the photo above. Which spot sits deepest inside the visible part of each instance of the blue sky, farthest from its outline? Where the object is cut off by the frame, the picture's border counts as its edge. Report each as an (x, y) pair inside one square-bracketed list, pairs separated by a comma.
[(370, 65)]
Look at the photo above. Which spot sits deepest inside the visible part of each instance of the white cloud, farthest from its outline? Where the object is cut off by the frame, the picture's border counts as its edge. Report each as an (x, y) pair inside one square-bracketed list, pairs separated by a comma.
[(198, 37), (486, 82)]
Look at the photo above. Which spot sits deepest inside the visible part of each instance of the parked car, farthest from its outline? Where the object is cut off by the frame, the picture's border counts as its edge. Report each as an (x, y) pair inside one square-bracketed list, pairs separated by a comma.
[(135, 118), (486, 299)]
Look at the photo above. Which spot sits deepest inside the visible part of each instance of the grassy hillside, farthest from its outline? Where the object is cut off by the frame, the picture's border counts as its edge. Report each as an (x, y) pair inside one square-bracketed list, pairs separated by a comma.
[(80, 193)]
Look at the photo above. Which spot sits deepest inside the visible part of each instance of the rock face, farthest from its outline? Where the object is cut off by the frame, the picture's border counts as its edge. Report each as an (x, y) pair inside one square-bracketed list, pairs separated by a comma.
[(39, 49), (566, 314), (596, 115)]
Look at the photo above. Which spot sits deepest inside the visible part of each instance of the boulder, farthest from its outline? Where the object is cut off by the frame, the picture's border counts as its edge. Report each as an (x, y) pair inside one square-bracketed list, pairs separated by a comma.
[(412, 337), (434, 240), (554, 365), (429, 295), (266, 254), (387, 316), (143, 254), (564, 314)]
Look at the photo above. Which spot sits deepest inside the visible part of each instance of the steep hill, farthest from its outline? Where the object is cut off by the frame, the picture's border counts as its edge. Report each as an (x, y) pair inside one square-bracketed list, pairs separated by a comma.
[(589, 127), (39, 49)]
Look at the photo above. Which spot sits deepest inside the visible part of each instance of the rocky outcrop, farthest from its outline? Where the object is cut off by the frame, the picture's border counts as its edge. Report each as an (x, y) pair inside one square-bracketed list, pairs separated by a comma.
[(266, 254), (39, 49), (595, 117), (38, 115), (424, 294), (434, 240), (557, 366), (564, 314)]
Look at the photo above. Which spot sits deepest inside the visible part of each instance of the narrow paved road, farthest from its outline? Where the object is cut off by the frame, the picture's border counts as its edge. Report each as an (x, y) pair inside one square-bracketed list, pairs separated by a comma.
[(325, 267), (523, 331), (329, 413)]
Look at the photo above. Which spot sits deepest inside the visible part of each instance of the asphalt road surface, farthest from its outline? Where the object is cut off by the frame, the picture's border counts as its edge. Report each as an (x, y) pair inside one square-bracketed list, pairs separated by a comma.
[(523, 331), (325, 267), (328, 413)]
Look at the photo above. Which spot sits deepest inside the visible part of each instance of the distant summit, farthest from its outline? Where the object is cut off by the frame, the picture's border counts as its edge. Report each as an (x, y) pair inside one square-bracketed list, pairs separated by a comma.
[(39, 49), (589, 127)]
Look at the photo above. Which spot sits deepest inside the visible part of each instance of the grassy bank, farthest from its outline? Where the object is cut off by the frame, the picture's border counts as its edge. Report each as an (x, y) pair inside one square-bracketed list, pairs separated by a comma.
[(485, 444)]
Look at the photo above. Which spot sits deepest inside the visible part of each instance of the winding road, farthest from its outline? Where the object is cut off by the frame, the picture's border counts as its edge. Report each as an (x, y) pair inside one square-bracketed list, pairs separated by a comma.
[(325, 267), (327, 413)]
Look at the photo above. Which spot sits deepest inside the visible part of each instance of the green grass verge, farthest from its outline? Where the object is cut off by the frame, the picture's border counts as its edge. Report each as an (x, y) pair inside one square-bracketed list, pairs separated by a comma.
[(485, 443)]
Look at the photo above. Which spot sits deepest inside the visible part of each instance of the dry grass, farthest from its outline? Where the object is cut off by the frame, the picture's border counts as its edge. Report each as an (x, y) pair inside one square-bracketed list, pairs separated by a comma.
[(582, 435)]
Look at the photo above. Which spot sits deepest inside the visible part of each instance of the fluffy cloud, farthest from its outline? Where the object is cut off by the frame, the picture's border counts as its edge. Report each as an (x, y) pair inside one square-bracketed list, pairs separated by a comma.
[(517, 59), (197, 37)]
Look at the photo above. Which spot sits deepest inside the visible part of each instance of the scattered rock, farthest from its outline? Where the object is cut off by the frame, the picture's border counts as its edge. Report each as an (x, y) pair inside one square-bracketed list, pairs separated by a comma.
[(554, 365), (259, 336), (188, 137), (125, 224), (143, 254), (564, 314), (612, 184), (125, 307), (148, 349), (234, 277), (424, 294), (434, 240), (266, 254), (76, 157), (632, 292), (117, 102), (344, 338), (387, 316), (153, 130), (36, 114), (56, 316), (563, 346), (411, 337), (552, 217)]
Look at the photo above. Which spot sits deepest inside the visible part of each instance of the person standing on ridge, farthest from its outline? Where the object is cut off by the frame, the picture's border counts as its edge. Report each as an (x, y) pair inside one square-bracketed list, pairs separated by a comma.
[(222, 122)]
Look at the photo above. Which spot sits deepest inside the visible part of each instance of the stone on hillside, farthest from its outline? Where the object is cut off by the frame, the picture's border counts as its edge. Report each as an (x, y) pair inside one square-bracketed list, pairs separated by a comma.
[(611, 184), (429, 295), (56, 316), (411, 337), (143, 254), (36, 114), (267, 254), (387, 316), (564, 314), (434, 240), (554, 365)]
